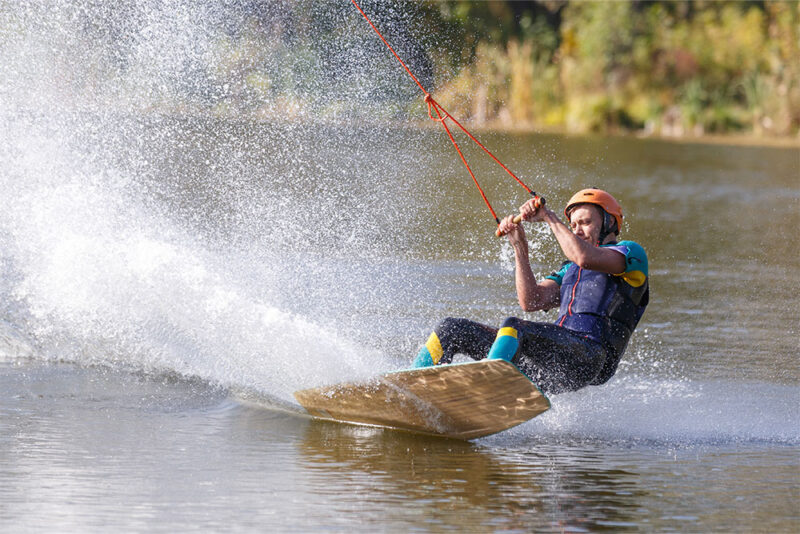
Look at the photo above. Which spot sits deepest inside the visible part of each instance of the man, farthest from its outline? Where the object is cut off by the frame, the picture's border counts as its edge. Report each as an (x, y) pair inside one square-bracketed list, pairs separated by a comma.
[(602, 291)]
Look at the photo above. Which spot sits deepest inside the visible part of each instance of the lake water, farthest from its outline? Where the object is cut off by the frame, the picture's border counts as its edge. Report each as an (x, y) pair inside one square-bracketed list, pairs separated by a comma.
[(168, 283)]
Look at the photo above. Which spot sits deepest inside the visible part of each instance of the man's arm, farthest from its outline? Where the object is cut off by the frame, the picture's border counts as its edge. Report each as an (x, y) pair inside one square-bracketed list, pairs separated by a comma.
[(532, 295), (583, 254)]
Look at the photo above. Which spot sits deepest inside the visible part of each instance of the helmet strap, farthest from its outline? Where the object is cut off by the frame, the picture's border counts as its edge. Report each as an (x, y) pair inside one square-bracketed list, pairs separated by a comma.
[(609, 227)]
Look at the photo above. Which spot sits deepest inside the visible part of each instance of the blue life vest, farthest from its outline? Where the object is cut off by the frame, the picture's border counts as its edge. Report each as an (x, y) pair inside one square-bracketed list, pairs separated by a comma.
[(604, 308)]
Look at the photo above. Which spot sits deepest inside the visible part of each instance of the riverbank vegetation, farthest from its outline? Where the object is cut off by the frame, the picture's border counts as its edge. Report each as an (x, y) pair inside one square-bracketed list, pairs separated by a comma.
[(683, 69), (664, 68)]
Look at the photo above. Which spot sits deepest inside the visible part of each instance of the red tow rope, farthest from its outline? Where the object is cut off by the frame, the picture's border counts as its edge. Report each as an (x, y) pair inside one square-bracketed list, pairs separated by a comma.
[(441, 116)]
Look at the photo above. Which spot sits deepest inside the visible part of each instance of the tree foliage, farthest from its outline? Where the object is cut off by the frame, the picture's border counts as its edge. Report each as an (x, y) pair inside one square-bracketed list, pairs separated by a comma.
[(673, 68)]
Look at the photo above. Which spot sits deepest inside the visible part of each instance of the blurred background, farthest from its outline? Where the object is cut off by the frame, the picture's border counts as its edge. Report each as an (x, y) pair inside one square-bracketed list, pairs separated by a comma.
[(669, 68), (679, 69)]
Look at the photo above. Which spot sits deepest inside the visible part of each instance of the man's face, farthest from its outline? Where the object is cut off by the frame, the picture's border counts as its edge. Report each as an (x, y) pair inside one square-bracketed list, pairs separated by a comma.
[(586, 222)]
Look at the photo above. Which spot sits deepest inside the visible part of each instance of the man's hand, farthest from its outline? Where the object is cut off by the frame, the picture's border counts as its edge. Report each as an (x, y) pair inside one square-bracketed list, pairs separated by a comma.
[(514, 231), (532, 211)]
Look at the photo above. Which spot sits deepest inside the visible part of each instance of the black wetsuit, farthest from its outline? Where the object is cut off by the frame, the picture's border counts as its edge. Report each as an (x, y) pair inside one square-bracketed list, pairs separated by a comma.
[(554, 358), (597, 316)]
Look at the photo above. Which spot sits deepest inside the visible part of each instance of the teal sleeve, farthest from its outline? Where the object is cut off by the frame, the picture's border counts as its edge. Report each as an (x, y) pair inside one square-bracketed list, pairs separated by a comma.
[(635, 257), (559, 275), (636, 271)]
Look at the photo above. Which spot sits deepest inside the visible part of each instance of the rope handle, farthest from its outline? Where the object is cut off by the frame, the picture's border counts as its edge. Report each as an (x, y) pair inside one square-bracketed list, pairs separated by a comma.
[(539, 202)]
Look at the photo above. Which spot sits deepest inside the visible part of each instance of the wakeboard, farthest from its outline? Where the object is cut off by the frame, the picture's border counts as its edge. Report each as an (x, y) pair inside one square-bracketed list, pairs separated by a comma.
[(462, 400)]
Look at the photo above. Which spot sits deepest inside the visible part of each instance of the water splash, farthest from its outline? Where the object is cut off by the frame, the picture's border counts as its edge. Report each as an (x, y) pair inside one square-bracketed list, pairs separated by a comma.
[(140, 227), (671, 413)]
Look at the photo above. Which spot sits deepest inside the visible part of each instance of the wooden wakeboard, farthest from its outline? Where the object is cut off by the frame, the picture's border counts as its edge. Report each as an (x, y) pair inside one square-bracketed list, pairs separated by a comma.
[(464, 400)]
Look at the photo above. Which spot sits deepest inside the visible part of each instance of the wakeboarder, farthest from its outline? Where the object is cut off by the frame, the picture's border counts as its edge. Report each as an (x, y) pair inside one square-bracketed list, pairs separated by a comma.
[(602, 291)]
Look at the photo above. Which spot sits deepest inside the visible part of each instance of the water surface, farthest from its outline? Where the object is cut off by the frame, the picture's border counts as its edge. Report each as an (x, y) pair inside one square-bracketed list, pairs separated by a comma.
[(168, 283)]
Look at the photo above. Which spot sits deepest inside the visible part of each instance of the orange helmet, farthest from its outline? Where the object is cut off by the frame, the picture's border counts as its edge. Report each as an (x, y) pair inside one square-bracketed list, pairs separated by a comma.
[(597, 197)]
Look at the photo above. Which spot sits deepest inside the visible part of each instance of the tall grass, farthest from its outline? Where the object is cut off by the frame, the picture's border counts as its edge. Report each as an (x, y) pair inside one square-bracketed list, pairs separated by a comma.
[(663, 68)]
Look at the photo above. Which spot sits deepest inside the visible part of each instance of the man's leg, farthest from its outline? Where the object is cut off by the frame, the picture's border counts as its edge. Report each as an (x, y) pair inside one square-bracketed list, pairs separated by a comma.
[(506, 345), (455, 336), (554, 358)]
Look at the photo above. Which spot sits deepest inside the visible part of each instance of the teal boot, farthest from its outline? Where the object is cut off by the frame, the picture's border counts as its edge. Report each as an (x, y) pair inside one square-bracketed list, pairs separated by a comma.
[(430, 354), (505, 345)]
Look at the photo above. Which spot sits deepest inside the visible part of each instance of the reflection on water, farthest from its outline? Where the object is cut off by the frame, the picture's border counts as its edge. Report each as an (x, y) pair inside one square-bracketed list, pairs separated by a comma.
[(85, 448), (464, 485), (541, 486)]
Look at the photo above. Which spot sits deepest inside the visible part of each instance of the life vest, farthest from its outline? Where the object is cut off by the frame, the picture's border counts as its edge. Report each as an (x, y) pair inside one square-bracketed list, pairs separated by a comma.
[(604, 308)]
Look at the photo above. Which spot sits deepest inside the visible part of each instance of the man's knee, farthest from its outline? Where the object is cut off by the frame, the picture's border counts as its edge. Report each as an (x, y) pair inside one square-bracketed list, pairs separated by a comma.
[(512, 322), (450, 326)]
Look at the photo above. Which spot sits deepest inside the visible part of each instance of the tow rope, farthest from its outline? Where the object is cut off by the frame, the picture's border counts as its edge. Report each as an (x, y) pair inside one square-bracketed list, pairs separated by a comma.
[(441, 116)]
